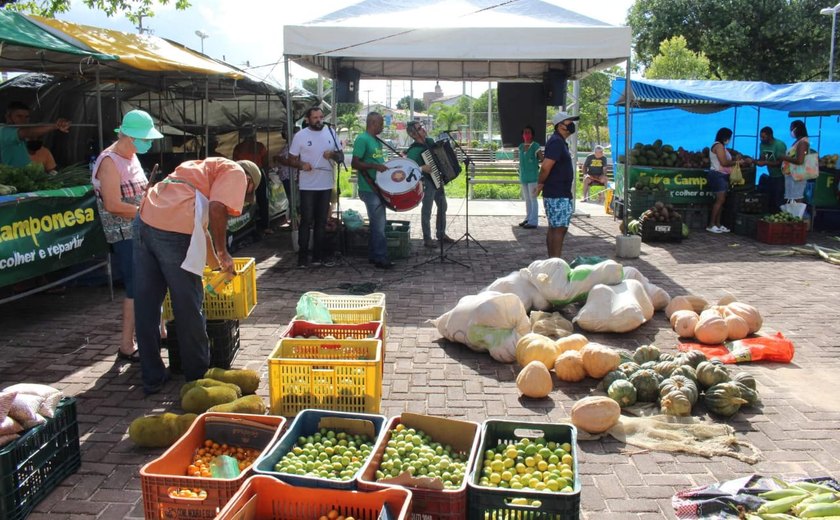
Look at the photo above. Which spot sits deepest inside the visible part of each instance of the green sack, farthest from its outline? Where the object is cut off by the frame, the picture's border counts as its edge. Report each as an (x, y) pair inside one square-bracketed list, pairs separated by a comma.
[(586, 260)]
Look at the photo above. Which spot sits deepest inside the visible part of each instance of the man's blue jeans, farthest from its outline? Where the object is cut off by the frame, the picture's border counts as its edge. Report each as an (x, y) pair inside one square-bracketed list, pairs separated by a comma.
[(378, 245), (431, 194), (157, 266)]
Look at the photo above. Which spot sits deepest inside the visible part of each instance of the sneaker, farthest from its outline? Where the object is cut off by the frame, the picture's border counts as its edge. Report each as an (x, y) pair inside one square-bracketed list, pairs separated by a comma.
[(317, 263), (713, 229), (724, 229), (328, 263), (523, 223), (302, 265), (447, 239)]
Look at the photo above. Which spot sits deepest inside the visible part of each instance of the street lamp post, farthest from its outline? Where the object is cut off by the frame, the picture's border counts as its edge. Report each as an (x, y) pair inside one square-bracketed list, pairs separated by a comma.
[(833, 12), (368, 101), (203, 35)]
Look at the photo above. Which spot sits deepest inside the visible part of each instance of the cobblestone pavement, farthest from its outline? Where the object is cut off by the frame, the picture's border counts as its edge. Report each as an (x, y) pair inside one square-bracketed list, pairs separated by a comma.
[(70, 341)]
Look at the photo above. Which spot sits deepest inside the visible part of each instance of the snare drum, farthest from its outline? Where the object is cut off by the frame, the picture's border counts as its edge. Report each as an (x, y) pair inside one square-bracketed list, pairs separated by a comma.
[(401, 184)]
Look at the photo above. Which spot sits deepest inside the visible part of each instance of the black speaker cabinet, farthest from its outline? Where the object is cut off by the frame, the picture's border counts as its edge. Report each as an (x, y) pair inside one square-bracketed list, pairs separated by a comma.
[(520, 105), (347, 86), (554, 83)]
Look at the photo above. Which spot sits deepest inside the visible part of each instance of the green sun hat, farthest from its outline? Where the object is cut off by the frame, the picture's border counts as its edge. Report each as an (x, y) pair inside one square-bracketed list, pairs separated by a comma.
[(138, 124)]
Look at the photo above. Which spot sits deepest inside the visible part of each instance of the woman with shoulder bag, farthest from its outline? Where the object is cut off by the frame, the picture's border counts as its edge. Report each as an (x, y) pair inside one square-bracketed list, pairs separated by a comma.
[(718, 177), (795, 189)]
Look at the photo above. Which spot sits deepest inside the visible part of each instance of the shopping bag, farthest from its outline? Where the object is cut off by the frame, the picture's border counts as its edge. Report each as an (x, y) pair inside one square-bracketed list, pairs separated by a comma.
[(809, 169), (797, 209), (735, 176)]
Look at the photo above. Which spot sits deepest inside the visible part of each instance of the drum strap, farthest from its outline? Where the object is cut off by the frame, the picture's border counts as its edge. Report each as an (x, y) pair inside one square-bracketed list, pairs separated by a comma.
[(376, 189)]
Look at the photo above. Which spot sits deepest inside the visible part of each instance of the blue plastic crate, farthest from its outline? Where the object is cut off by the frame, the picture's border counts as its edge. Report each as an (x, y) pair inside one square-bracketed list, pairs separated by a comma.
[(305, 424)]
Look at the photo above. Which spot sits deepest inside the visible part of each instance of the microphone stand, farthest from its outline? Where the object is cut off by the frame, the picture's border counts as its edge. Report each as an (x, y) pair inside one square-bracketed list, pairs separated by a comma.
[(342, 238), (469, 169)]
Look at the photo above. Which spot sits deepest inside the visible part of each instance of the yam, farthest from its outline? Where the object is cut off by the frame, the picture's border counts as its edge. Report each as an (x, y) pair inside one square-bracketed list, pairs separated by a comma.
[(247, 380)]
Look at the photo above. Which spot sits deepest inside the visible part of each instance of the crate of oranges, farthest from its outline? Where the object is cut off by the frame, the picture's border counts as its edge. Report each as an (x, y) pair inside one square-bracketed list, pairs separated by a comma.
[(207, 465)]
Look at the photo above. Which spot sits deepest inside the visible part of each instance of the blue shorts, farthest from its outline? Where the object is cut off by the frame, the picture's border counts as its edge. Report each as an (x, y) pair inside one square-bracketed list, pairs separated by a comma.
[(124, 255), (718, 181), (558, 211)]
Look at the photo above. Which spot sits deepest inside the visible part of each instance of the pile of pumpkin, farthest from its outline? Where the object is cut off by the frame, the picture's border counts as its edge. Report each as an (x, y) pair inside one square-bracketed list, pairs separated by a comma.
[(694, 317)]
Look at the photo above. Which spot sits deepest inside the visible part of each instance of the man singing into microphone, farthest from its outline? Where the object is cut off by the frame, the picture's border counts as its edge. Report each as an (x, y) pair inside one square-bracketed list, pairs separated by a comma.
[(313, 152)]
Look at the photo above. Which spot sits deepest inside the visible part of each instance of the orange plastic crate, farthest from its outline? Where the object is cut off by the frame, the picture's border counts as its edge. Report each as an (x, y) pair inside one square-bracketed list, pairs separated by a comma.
[(431, 504), (167, 472), (270, 499), (235, 300)]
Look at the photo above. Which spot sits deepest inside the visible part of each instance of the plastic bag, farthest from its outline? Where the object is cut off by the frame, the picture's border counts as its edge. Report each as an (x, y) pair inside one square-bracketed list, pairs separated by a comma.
[(797, 209), (735, 175), (311, 309), (777, 349), (352, 219)]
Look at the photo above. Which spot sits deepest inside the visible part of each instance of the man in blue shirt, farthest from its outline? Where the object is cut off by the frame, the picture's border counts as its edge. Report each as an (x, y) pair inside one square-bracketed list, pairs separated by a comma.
[(555, 182), (13, 137)]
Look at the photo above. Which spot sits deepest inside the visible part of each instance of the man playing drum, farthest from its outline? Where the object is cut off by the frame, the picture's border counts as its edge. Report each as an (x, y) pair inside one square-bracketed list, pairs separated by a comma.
[(431, 193)]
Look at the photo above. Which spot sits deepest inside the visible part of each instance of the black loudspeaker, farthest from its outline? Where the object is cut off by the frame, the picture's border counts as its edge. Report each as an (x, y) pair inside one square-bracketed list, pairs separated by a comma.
[(521, 105), (347, 86), (554, 86)]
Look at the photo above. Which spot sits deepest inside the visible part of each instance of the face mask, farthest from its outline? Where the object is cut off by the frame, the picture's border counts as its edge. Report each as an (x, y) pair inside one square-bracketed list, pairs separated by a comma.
[(142, 145), (571, 128), (527, 137), (793, 134)]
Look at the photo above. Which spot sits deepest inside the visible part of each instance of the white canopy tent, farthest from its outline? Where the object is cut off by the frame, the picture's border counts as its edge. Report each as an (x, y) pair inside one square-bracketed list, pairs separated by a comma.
[(455, 40)]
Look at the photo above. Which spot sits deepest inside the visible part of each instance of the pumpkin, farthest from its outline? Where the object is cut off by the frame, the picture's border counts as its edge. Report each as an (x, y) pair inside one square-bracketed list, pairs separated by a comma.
[(612, 376), (680, 384), (693, 357), (647, 385), (622, 392), (665, 356), (666, 368), (724, 399), (646, 353), (598, 360), (570, 342), (684, 322), (711, 329), (727, 298), (569, 367), (745, 379), (629, 367), (709, 374), (536, 347), (675, 403), (534, 380), (686, 302), (686, 371), (749, 395), (595, 414), (649, 364), (736, 327), (749, 313)]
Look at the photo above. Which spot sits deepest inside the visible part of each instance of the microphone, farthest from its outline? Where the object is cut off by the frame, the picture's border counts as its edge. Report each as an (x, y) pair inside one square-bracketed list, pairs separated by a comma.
[(326, 123)]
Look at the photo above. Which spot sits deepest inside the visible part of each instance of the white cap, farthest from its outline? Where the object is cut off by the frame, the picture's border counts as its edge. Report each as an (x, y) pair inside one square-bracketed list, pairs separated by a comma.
[(559, 117)]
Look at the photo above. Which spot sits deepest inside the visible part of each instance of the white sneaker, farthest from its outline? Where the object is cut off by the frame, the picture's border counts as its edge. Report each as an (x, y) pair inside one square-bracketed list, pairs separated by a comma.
[(713, 229), (724, 229)]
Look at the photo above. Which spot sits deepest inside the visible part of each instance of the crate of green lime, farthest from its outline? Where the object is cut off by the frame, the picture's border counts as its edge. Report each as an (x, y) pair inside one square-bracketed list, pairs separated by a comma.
[(525, 470)]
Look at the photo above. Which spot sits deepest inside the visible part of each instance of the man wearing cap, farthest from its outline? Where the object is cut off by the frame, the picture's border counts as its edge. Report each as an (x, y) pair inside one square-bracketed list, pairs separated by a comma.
[(13, 137), (431, 193), (171, 249), (555, 182), (594, 170)]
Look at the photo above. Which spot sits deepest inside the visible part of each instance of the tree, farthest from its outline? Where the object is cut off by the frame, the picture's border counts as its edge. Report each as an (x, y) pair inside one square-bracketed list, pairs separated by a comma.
[(676, 61), (351, 123), (480, 110), (311, 85), (777, 41), (132, 9), (404, 104), (448, 118), (594, 94)]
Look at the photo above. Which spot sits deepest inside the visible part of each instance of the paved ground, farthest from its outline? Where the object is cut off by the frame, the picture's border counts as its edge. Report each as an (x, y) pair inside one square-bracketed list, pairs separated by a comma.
[(70, 341)]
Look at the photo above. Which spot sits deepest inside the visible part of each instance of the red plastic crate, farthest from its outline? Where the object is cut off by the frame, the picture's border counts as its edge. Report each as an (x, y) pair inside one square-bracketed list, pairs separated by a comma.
[(430, 504), (167, 472), (782, 233), (370, 330), (267, 497)]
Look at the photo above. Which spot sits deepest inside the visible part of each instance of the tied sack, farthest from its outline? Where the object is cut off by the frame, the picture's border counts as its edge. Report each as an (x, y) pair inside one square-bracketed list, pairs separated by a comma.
[(562, 285), (658, 296), (615, 308), (488, 321), (517, 283)]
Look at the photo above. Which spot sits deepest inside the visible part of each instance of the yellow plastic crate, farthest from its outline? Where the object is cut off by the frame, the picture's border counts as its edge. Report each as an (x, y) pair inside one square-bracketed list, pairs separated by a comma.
[(235, 300), (348, 301), (344, 375)]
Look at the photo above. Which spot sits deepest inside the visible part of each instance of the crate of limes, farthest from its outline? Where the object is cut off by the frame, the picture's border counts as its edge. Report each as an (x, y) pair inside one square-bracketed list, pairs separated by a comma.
[(525, 470)]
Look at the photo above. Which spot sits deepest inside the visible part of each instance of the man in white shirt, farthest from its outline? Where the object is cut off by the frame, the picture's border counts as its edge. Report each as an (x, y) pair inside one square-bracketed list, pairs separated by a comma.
[(314, 152)]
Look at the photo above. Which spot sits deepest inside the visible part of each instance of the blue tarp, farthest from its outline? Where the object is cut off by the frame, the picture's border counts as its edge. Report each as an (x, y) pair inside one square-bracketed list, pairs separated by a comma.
[(689, 113)]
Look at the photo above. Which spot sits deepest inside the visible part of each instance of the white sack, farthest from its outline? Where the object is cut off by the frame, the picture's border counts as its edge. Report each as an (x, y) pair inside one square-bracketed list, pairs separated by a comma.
[(488, 321), (561, 285), (517, 283), (615, 308), (658, 296)]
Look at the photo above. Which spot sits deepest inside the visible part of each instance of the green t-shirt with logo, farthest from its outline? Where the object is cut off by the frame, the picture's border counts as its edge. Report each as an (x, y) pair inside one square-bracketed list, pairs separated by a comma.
[(12, 148), (772, 151), (368, 149)]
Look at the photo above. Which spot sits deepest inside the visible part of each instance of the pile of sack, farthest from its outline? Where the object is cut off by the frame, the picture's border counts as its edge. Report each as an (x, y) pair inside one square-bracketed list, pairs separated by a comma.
[(24, 406)]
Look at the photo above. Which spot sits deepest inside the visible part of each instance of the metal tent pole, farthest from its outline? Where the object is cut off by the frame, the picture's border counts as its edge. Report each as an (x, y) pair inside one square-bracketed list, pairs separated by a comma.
[(289, 128)]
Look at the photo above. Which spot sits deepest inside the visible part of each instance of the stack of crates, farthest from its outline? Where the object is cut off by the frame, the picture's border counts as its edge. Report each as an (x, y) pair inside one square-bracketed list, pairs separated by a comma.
[(337, 366), (397, 235)]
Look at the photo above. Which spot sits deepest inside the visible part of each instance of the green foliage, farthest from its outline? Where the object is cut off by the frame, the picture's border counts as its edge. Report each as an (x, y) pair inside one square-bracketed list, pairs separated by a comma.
[(351, 123), (131, 9), (448, 118), (778, 41), (594, 94), (32, 177), (404, 104), (676, 61)]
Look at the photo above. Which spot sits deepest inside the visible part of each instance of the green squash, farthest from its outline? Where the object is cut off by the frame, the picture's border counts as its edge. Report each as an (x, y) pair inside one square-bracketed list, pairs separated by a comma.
[(646, 353), (629, 368), (745, 379), (665, 356), (675, 403), (623, 392), (693, 357), (666, 368), (748, 393), (679, 384), (612, 377), (685, 371), (649, 364), (709, 374), (724, 399), (647, 385)]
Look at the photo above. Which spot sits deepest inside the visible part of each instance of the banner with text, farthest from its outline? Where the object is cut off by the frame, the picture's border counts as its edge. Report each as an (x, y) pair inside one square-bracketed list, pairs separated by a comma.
[(44, 231)]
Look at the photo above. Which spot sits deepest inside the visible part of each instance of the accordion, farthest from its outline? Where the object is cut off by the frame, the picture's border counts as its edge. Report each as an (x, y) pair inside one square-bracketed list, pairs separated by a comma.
[(443, 162)]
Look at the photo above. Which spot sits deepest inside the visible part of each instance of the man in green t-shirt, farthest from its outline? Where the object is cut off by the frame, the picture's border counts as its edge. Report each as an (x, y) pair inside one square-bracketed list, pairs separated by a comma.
[(368, 157), (770, 152), (13, 137), (431, 193)]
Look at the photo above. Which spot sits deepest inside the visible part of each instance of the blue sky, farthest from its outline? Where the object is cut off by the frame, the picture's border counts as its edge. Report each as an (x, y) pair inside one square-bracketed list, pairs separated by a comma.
[(250, 31)]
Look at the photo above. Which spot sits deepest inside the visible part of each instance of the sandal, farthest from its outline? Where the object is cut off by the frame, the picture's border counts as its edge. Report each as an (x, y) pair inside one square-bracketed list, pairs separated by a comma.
[(134, 357)]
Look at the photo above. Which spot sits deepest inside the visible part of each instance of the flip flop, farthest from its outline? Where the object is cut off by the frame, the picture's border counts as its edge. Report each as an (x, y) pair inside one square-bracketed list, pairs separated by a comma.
[(134, 357)]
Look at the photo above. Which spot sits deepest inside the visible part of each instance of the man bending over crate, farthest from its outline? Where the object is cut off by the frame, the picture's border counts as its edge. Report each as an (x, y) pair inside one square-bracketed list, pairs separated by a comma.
[(170, 251)]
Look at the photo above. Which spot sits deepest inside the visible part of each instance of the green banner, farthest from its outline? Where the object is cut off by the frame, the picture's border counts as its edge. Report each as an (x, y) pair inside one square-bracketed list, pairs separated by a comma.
[(686, 186), (44, 231)]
